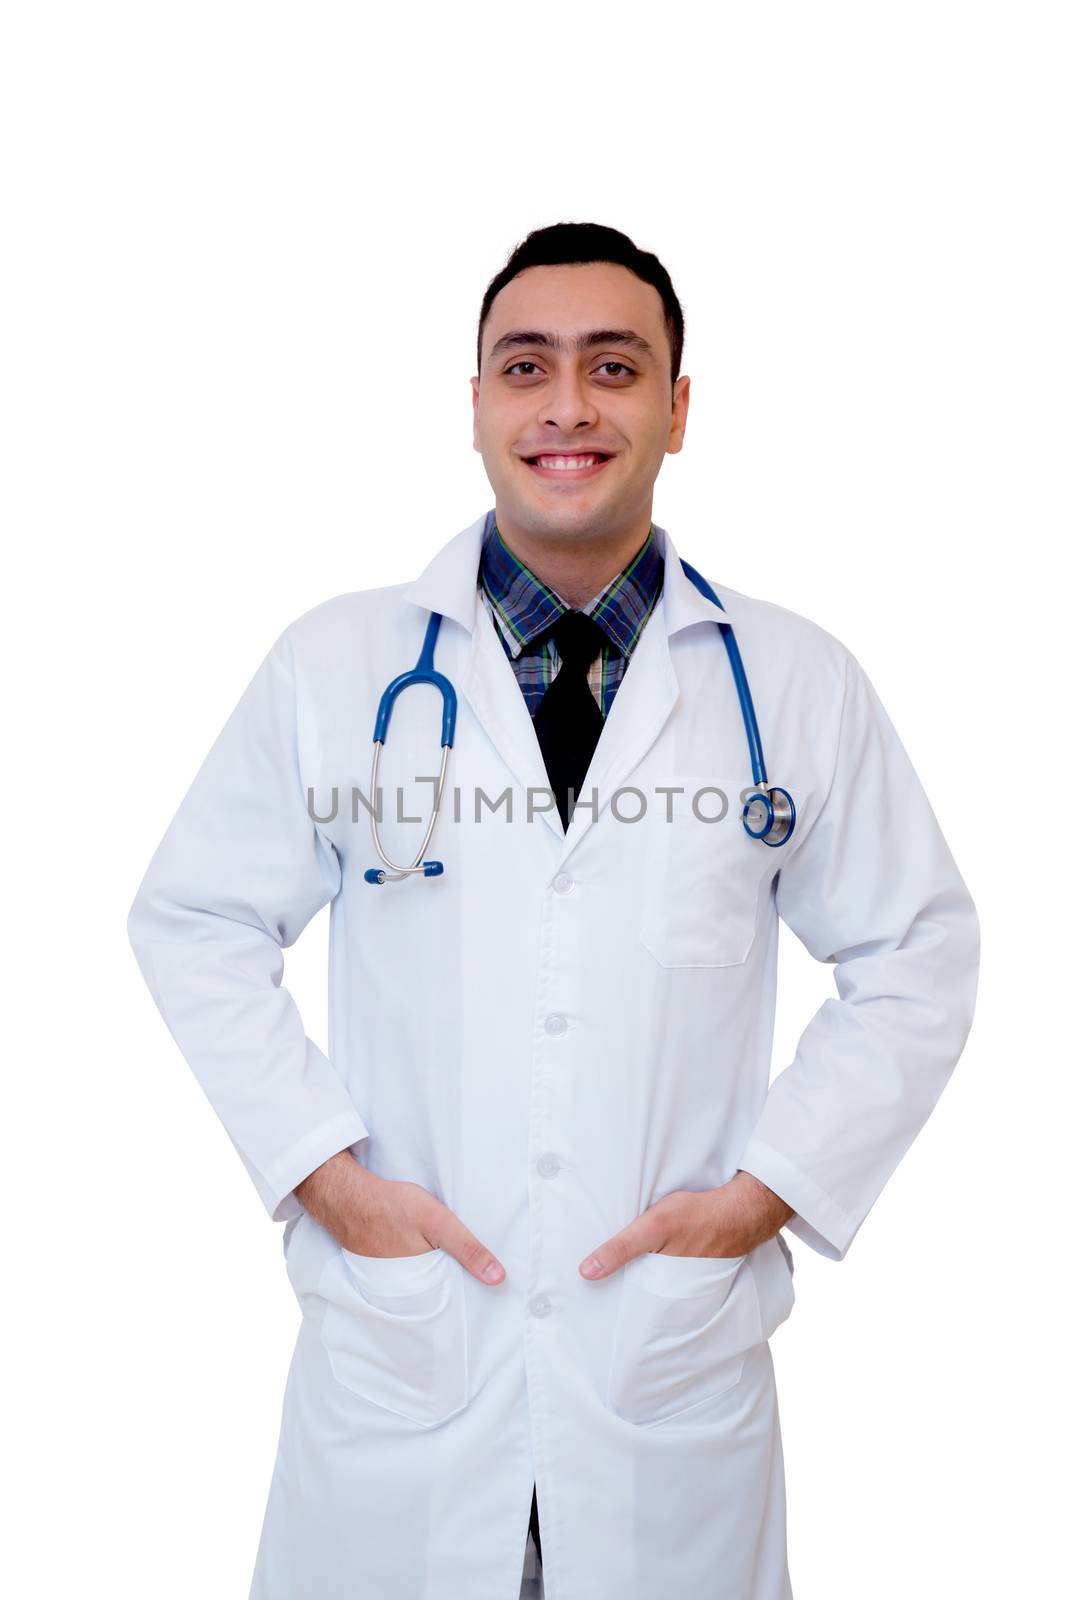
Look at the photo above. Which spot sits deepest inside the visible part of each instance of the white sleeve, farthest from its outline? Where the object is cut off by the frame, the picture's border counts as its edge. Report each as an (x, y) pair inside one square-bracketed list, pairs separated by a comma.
[(239, 873), (872, 887)]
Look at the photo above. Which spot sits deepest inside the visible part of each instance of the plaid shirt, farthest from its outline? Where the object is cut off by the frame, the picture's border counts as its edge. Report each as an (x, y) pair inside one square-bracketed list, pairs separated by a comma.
[(521, 605)]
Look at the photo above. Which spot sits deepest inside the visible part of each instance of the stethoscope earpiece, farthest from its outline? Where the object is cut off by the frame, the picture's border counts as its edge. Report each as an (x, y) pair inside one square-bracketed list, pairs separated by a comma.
[(428, 869)]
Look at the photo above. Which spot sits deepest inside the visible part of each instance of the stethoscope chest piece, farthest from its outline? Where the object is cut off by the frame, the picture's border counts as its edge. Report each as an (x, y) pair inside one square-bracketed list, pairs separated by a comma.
[(770, 816)]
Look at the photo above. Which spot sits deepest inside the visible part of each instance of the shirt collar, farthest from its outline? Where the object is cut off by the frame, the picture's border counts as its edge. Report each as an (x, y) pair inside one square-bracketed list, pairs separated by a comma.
[(525, 605)]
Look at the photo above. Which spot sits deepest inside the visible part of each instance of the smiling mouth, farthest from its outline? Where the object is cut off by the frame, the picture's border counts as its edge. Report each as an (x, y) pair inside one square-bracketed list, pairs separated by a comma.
[(566, 465)]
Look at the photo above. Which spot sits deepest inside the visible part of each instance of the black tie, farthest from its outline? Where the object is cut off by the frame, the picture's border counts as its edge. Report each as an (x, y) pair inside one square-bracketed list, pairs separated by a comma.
[(568, 721)]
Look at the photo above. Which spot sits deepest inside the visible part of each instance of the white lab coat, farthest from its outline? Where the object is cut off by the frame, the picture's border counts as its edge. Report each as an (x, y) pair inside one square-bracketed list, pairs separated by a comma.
[(549, 1037)]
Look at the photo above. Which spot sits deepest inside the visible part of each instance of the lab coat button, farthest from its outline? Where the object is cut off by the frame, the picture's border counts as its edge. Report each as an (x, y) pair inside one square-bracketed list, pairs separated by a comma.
[(541, 1305), (548, 1166), (563, 883), (555, 1024)]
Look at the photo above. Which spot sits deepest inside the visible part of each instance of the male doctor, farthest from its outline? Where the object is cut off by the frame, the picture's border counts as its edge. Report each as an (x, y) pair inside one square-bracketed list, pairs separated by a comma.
[(533, 1194)]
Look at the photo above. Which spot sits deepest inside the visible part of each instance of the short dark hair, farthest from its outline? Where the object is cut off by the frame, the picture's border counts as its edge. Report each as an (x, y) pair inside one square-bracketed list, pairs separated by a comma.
[(567, 244)]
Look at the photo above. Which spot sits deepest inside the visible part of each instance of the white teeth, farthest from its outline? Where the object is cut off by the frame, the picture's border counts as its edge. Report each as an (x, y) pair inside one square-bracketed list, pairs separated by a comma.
[(566, 463)]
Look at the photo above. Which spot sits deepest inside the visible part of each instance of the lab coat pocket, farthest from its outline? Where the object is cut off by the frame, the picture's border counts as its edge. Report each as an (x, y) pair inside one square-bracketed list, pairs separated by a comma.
[(685, 1326), (395, 1331), (702, 878)]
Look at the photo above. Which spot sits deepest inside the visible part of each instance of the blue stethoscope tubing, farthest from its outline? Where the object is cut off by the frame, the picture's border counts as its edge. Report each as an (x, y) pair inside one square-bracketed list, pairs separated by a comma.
[(769, 815)]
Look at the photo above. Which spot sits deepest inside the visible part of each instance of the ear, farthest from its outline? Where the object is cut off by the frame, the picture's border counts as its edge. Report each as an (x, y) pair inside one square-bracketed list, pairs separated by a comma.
[(474, 400), (679, 414)]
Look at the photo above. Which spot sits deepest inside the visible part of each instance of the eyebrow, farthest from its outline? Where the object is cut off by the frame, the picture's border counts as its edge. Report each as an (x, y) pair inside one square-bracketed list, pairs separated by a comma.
[(582, 341)]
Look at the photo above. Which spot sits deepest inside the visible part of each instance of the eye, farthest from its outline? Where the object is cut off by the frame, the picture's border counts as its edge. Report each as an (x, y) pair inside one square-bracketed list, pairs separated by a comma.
[(619, 366)]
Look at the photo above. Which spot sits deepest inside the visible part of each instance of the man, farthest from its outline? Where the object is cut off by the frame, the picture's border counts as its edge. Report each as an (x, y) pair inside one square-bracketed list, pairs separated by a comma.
[(533, 1197)]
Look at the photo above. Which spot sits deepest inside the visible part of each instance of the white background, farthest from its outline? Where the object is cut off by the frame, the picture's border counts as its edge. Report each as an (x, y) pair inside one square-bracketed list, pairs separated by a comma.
[(246, 246)]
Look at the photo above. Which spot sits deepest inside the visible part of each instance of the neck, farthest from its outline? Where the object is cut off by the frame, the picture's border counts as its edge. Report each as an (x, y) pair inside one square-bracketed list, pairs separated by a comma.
[(576, 567)]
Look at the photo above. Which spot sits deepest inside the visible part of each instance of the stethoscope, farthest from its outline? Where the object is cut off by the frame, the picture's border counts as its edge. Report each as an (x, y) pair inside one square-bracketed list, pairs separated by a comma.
[(769, 815)]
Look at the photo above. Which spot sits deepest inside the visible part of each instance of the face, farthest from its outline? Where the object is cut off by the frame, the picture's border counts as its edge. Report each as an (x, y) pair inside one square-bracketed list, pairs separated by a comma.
[(547, 393)]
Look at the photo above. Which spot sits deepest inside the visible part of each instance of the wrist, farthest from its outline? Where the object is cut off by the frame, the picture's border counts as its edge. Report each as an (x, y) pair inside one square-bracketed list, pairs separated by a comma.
[(753, 1213), (326, 1189), (771, 1210)]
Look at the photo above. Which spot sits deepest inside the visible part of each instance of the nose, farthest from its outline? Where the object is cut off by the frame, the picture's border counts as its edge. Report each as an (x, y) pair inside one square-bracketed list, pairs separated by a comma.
[(569, 405)]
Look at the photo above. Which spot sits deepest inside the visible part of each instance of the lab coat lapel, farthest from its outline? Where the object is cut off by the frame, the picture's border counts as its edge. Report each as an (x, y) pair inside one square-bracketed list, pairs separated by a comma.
[(641, 706), (485, 678), (492, 691), (647, 694), (449, 582)]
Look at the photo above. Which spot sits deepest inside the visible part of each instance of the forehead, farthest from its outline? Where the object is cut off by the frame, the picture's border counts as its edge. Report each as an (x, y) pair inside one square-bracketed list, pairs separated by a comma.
[(568, 300)]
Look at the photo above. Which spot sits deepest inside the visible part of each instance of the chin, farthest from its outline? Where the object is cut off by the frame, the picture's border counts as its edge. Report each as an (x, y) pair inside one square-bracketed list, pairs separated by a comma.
[(565, 521)]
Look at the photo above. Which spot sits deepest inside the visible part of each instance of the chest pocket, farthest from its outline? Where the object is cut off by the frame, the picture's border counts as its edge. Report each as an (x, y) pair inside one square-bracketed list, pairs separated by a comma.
[(700, 893)]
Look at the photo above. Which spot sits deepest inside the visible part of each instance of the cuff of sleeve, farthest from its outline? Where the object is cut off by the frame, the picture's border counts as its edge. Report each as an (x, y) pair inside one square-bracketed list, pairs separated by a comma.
[(817, 1220), (303, 1157)]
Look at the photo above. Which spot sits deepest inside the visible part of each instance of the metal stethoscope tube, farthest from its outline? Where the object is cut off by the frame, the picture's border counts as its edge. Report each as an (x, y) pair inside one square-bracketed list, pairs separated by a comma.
[(429, 869)]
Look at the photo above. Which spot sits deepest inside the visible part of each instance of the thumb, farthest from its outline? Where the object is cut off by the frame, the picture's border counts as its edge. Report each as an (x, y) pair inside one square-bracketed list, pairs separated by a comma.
[(620, 1248)]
